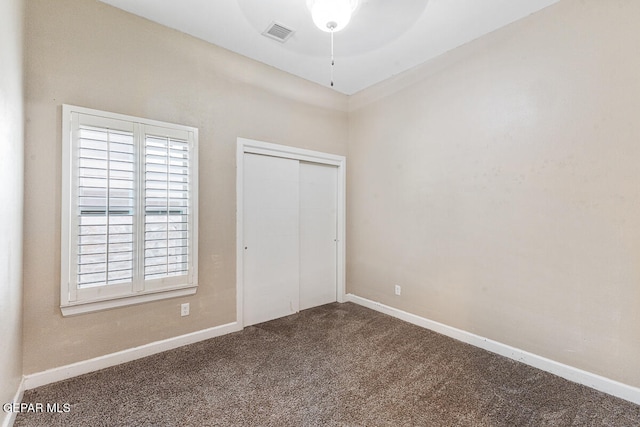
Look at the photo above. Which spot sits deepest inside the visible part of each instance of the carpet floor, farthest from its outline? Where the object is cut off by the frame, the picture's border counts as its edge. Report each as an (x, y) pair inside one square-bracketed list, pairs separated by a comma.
[(334, 365)]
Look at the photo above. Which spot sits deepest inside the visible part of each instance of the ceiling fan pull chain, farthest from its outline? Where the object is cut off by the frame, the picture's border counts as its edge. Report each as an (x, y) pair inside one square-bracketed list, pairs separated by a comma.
[(332, 27), (332, 60)]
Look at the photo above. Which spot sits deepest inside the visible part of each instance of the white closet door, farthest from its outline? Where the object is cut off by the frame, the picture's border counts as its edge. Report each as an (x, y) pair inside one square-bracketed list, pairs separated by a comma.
[(271, 238), (318, 231)]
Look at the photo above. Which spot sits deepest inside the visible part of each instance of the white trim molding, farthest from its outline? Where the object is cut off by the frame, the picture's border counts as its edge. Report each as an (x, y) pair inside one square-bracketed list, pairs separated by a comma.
[(80, 368), (600, 383), (10, 417), (275, 150), (88, 307)]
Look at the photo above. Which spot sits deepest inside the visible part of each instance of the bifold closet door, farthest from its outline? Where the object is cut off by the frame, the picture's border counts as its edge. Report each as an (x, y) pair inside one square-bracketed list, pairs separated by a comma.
[(271, 236), (289, 231)]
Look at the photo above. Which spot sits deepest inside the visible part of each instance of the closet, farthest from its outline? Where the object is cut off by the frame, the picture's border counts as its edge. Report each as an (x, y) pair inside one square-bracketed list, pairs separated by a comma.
[(289, 235)]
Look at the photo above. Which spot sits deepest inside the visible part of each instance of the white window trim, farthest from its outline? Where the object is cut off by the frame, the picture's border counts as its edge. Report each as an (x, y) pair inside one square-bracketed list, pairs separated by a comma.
[(137, 295)]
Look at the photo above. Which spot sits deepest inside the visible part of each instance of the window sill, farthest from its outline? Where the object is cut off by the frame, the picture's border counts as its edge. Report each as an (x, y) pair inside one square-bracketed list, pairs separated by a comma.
[(88, 307)]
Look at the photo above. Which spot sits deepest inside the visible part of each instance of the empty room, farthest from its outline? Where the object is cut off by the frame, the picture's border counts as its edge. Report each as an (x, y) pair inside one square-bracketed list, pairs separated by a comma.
[(320, 212)]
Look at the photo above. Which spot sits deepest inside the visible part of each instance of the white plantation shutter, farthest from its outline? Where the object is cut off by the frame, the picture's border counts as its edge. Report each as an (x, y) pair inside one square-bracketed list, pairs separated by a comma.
[(167, 210), (105, 206), (129, 210)]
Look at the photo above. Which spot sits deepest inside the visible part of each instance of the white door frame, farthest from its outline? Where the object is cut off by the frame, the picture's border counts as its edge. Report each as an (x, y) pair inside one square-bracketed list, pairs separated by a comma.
[(268, 149)]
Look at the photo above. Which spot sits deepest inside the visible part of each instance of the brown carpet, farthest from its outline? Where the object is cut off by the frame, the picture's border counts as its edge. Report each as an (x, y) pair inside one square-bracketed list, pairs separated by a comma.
[(335, 365)]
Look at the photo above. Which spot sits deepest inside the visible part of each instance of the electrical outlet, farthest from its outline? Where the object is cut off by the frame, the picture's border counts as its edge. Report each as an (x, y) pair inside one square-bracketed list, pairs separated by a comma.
[(398, 290), (184, 309)]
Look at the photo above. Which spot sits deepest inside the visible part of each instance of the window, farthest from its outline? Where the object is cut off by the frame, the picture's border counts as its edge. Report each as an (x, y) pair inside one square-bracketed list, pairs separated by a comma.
[(129, 213)]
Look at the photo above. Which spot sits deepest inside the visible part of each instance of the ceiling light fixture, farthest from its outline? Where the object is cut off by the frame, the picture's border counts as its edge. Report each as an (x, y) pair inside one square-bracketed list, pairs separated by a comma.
[(331, 16)]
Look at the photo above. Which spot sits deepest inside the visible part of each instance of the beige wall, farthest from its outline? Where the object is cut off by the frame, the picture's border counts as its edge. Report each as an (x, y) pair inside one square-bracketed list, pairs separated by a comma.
[(11, 197), (89, 54), (499, 185)]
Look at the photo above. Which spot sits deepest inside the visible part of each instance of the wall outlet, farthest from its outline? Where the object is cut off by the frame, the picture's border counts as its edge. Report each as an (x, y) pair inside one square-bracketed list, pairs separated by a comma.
[(398, 290), (184, 309)]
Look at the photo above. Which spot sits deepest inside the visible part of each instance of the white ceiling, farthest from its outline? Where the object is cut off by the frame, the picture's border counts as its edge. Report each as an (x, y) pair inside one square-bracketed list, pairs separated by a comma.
[(384, 38)]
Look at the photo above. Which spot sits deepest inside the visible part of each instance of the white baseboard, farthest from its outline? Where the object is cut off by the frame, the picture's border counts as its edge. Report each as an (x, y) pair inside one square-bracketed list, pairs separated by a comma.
[(603, 384), (79, 368), (10, 417)]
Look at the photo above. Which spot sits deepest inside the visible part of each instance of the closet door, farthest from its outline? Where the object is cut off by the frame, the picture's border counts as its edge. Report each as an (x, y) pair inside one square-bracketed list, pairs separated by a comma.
[(318, 232), (271, 238)]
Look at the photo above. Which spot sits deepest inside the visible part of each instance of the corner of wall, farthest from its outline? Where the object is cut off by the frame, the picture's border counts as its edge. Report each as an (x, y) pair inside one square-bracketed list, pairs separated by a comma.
[(11, 196)]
